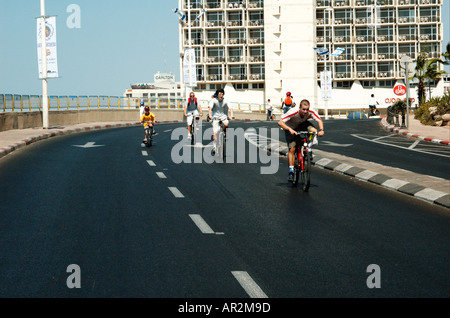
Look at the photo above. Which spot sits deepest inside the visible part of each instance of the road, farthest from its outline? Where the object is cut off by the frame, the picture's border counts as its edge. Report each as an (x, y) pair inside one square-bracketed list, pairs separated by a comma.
[(137, 224)]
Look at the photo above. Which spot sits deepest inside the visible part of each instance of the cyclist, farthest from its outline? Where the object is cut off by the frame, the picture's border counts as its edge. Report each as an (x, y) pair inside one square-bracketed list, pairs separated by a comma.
[(218, 110), (295, 120), (288, 103), (191, 108), (148, 119), (373, 104)]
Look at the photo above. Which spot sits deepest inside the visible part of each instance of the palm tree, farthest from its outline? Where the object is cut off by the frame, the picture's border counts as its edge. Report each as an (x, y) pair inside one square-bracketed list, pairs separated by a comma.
[(446, 55), (426, 70)]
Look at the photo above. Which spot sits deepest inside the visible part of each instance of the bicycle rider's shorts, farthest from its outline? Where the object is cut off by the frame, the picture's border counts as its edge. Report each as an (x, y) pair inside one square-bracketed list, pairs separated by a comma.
[(215, 122), (190, 118), (291, 140)]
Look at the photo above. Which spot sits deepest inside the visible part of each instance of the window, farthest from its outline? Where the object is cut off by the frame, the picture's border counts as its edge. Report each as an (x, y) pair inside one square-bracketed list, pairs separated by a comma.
[(407, 49), (236, 36), (407, 33), (406, 15), (257, 54), (342, 35), (216, 54), (368, 83), (256, 18), (257, 35), (214, 36), (343, 16), (214, 18), (342, 84), (428, 32), (386, 51), (363, 52), (237, 72), (385, 34)]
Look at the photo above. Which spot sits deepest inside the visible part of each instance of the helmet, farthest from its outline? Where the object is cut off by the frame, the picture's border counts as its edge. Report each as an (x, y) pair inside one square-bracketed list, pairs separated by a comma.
[(288, 94), (146, 108), (142, 103)]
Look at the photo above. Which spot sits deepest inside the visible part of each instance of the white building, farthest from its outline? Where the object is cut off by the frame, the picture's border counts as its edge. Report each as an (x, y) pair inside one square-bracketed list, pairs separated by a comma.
[(260, 49), (163, 92)]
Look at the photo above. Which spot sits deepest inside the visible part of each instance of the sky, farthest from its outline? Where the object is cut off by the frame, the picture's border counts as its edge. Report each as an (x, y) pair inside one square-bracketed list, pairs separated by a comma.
[(118, 42)]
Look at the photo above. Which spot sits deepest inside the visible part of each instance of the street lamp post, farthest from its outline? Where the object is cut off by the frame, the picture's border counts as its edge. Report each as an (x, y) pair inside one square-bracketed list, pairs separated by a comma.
[(188, 20), (326, 79), (405, 60), (44, 68)]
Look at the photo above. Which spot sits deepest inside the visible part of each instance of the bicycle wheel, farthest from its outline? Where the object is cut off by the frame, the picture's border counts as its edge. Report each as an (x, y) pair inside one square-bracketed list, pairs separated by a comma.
[(149, 138), (306, 173), (193, 132), (296, 170), (224, 146)]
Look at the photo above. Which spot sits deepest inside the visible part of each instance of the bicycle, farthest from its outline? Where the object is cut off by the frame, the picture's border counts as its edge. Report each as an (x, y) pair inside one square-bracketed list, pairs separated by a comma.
[(194, 127), (221, 140), (148, 135), (303, 159), (270, 115), (373, 112)]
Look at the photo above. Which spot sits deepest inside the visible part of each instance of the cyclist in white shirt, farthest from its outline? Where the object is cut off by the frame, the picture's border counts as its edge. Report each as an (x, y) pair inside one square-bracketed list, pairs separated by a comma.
[(218, 110), (191, 110)]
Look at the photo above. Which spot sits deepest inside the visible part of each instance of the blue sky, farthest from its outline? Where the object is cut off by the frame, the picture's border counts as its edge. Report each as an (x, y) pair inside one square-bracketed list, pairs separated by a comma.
[(119, 42)]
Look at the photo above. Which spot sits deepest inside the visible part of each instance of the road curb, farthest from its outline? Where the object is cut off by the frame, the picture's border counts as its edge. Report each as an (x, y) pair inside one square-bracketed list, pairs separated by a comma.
[(399, 131), (32, 139)]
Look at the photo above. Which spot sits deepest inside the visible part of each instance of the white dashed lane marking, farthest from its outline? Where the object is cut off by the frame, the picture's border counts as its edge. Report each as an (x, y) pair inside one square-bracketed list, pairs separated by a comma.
[(176, 192), (161, 175), (249, 285)]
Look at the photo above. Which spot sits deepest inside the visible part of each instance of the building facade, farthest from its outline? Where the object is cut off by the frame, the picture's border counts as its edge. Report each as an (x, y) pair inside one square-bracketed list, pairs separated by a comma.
[(163, 92), (260, 49)]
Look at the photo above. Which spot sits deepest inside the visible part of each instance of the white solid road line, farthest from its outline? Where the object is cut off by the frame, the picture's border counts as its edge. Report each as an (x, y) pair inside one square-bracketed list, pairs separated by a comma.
[(151, 163), (201, 224), (176, 192), (249, 285)]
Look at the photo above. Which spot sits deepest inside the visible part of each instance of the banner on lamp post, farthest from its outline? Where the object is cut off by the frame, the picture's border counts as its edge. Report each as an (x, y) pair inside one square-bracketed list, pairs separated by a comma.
[(326, 87), (52, 56), (189, 68)]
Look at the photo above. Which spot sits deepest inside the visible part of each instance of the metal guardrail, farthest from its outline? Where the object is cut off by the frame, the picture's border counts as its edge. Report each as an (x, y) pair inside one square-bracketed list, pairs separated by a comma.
[(392, 117), (21, 103)]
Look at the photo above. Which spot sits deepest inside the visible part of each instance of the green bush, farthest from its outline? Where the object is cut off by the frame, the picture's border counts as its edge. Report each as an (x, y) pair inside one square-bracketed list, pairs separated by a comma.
[(398, 107), (442, 104)]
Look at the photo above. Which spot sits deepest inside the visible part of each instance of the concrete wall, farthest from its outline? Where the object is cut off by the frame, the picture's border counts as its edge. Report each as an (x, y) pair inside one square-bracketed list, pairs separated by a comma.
[(23, 120)]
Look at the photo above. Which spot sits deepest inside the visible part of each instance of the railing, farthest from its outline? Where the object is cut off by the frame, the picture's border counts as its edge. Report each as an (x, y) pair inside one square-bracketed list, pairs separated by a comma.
[(10, 102), (392, 118), (24, 103)]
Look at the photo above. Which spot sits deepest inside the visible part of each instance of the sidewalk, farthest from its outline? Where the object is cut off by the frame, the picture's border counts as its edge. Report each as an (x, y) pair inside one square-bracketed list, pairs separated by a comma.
[(431, 189)]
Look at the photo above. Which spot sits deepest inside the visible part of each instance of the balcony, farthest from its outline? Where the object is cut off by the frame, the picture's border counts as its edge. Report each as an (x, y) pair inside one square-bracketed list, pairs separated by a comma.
[(342, 75), (215, 77), (256, 77)]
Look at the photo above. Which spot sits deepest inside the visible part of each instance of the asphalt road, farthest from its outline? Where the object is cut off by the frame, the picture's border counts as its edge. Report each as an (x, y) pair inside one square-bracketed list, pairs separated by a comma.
[(140, 225)]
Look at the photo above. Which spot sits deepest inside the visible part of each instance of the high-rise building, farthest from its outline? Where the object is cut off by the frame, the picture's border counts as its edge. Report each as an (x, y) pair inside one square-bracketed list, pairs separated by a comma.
[(260, 49)]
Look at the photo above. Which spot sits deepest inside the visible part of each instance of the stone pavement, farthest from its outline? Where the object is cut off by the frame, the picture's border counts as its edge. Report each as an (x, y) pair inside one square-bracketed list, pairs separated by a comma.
[(431, 189)]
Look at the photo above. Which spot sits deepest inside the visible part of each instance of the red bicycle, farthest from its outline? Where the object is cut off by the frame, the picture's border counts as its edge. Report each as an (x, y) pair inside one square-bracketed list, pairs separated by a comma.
[(303, 159)]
